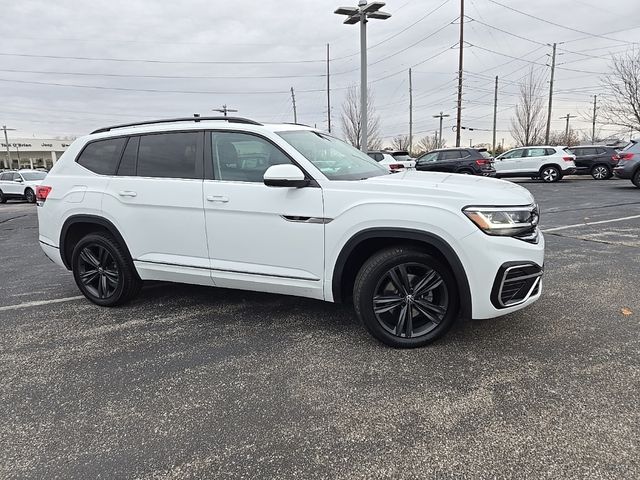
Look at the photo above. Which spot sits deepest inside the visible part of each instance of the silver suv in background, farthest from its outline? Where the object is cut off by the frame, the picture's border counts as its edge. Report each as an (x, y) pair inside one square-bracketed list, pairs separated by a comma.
[(629, 164)]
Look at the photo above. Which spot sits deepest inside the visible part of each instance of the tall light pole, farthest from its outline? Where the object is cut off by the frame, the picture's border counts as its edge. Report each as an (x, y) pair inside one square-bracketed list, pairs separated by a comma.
[(441, 116), (7, 163), (361, 14)]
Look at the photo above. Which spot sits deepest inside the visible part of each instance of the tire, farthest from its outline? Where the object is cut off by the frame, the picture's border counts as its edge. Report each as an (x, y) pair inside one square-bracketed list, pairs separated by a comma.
[(114, 280), (636, 178), (601, 172), (550, 174), (3, 199), (465, 172), (29, 196), (385, 279)]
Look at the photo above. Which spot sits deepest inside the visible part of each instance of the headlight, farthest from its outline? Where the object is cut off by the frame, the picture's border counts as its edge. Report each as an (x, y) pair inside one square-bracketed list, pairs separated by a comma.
[(504, 221)]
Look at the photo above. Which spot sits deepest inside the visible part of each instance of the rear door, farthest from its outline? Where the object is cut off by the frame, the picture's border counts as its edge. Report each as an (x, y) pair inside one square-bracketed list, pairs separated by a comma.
[(533, 159), (156, 202), (448, 160), (584, 158)]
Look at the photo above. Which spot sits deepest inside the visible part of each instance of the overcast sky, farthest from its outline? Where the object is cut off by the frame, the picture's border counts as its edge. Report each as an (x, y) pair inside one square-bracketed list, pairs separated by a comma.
[(289, 38)]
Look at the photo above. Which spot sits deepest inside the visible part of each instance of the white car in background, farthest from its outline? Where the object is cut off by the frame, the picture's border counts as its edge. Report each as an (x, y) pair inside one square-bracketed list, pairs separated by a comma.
[(20, 184), (393, 163), (547, 163)]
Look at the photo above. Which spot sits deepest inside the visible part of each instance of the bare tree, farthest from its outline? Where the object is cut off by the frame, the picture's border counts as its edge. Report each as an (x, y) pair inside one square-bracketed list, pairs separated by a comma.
[(351, 119), (528, 125), (560, 138), (621, 105), (400, 142), (426, 144)]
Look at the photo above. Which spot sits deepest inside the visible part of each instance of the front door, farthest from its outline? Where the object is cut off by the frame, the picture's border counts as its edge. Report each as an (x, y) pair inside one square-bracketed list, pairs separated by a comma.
[(509, 163), (260, 238)]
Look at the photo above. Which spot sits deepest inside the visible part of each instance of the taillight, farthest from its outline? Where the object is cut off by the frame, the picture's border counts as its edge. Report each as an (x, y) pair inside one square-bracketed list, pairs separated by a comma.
[(396, 166), (626, 156), (42, 192), (615, 157), (568, 159), (483, 161)]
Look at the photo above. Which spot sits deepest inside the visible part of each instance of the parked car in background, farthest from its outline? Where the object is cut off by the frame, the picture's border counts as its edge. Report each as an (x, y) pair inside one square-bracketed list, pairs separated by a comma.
[(20, 184), (629, 164), (547, 163), (469, 161), (402, 162), (595, 160), (401, 155)]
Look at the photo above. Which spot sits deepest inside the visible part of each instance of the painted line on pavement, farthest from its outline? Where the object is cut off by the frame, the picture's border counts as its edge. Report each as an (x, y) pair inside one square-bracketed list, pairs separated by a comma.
[(37, 303), (585, 224)]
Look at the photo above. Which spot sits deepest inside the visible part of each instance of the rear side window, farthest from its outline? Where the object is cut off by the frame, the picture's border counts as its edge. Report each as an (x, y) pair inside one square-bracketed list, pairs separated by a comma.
[(6, 177), (450, 155), (169, 155), (102, 156), (536, 152)]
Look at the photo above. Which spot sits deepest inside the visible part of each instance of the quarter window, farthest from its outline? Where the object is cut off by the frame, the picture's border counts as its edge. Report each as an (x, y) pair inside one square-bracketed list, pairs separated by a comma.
[(127, 166), (536, 152), (169, 155), (241, 157), (102, 156)]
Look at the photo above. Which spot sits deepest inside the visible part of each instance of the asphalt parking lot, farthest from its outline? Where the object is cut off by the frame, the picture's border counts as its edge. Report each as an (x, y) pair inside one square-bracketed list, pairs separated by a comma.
[(191, 382)]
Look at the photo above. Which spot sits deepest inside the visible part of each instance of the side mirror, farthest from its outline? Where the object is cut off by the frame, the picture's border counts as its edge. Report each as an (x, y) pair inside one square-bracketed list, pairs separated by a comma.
[(19, 180), (285, 175)]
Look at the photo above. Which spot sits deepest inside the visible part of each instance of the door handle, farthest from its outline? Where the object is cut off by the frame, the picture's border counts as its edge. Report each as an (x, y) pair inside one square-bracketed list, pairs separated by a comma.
[(217, 198), (127, 193)]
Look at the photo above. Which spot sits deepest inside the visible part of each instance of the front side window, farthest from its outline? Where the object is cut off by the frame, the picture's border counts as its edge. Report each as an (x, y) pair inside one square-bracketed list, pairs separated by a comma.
[(242, 157), (102, 156), (428, 158), (169, 155), (334, 158), (513, 154), (33, 176)]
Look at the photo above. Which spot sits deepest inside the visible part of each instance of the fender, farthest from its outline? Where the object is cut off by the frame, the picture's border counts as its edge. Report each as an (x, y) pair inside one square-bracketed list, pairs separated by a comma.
[(407, 234), (90, 219)]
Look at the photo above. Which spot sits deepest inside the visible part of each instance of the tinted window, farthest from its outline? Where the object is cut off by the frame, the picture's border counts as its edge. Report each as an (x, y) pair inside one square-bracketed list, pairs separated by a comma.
[(550, 151), (450, 155), (242, 157), (589, 151), (601, 151), (6, 176), (428, 157), (514, 153), (102, 156), (127, 166), (31, 176), (169, 155), (17, 177)]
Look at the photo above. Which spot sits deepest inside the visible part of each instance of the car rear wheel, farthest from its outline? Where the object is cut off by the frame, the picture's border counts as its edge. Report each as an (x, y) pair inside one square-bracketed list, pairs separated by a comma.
[(30, 196), (3, 199), (405, 298), (636, 178), (465, 172), (601, 172), (550, 174), (103, 271)]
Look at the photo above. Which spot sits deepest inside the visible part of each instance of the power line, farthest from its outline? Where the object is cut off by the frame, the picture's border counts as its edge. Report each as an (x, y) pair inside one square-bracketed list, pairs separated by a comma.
[(508, 33)]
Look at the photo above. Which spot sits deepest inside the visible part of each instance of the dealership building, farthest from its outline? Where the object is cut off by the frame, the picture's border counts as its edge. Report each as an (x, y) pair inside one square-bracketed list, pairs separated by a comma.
[(31, 152)]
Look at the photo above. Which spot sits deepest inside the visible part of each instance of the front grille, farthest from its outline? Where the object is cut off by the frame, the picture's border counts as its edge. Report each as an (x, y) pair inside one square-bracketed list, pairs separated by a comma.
[(515, 283)]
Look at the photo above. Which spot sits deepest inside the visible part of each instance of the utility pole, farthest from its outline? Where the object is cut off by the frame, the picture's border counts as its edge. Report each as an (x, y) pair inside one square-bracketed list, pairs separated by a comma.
[(7, 162), (328, 94), (459, 106), (593, 126), (410, 113), (495, 116), (553, 71), (566, 132), (441, 116), (435, 135), (293, 99), (224, 110), (470, 143)]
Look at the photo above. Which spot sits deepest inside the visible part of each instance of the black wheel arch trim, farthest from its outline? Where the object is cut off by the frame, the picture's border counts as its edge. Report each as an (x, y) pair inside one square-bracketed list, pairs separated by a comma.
[(464, 291), (90, 219)]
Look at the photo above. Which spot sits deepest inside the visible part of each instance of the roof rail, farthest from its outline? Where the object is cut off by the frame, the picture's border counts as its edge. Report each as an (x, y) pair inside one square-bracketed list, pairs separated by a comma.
[(175, 120)]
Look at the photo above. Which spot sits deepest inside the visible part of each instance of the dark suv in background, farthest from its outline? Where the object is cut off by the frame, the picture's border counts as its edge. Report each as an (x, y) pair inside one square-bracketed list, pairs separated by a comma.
[(470, 161), (629, 164), (595, 160)]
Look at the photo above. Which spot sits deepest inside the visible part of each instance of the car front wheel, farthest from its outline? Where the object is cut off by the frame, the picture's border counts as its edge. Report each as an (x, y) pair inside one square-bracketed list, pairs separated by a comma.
[(636, 178), (3, 199), (405, 297), (103, 271), (601, 172), (30, 196), (550, 174)]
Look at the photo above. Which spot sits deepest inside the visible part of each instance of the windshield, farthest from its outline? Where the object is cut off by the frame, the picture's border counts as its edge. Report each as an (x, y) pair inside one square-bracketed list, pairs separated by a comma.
[(31, 176), (333, 157), (485, 153), (403, 157), (628, 146)]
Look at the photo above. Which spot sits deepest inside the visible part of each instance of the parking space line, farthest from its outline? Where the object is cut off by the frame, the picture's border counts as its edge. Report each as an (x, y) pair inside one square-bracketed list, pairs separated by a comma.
[(37, 303), (566, 227)]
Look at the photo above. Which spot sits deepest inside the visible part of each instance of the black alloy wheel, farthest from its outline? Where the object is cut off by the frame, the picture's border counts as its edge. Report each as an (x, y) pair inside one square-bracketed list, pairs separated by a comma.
[(636, 178), (405, 297), (30, 196), (104, 271), (601, 172), (410, 300), (3, 199)]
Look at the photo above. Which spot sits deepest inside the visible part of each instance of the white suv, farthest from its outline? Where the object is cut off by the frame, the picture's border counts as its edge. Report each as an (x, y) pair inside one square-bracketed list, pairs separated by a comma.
[(288, 209), (20, 184), (548, 163)]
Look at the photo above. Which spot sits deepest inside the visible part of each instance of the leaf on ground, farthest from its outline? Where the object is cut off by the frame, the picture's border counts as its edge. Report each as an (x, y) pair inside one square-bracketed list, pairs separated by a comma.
[(626, 311)]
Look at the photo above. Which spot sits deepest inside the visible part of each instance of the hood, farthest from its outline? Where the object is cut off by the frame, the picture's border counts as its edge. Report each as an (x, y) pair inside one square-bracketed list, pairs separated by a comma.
[(468, 189)]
